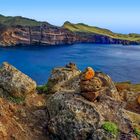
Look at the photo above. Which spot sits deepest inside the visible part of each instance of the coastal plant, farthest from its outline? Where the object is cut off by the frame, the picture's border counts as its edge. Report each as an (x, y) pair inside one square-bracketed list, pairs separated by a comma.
[(110, 127), (16, 100), (42, 89), (137, 133)]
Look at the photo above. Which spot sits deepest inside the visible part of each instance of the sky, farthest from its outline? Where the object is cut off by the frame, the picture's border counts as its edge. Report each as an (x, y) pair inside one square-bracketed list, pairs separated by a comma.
[(122, 16)]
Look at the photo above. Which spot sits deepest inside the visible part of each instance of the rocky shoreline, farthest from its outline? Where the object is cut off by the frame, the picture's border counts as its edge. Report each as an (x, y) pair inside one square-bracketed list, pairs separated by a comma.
[(73, 105), (52, 35), (21, 31)]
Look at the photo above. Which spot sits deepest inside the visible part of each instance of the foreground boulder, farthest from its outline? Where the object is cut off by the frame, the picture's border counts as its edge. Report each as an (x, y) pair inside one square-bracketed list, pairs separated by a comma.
[(64, 78), (79, 112), (15, 82), (71, 117)]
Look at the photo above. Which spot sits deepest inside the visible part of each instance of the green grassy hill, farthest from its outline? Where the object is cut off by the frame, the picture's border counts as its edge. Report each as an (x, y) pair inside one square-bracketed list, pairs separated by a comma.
[(18, 20), (80, 27)]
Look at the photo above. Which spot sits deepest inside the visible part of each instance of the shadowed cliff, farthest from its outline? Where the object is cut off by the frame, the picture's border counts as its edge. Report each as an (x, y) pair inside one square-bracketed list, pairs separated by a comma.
[(24, 31)]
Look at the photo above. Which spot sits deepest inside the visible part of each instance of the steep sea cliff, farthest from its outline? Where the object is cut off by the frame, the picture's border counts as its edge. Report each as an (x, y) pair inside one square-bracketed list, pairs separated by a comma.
[(23, 31)]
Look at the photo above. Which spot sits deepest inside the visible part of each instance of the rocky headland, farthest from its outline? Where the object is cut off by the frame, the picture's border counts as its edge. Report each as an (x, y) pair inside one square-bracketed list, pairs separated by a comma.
[(73, 105), (16, 31)]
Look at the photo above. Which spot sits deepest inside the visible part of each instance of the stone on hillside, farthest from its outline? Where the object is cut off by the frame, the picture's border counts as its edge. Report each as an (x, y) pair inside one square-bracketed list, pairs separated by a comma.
[(94, 84), (64, 78), (71, 117), (88, 74), (98, 84), (15, 82), (81, 105), (71, 66)]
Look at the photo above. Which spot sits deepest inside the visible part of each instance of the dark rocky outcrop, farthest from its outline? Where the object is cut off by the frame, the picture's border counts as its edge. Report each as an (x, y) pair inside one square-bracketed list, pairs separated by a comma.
[(80, 112), (36, 35), (22, 31), (51, 35), (64, 78)]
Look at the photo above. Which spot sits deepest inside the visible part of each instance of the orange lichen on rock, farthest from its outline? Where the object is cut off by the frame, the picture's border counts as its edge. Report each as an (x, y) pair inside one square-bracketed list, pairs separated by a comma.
[(89, 74)]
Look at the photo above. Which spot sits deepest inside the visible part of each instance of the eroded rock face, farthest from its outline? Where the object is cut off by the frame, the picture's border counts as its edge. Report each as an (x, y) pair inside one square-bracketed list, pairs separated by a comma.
[(72, 117), (96, 85), (79, 114), (64, 78), (47, 34), (40, 35), (15, 82)]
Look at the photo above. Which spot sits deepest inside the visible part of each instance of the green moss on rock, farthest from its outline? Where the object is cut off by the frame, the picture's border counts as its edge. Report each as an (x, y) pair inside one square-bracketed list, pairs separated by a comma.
[(137, 133), (42, 89), (110, 127)]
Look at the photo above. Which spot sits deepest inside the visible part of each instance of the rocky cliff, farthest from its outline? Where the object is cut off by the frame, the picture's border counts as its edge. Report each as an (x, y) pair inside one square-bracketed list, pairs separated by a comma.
[(22, 31), (36, 35), (73, 105)]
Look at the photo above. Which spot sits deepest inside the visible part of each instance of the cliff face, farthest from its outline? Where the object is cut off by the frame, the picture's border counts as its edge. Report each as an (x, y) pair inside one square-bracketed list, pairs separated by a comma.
[(51, 35), (42, 35), (102, 39), (24, 31)]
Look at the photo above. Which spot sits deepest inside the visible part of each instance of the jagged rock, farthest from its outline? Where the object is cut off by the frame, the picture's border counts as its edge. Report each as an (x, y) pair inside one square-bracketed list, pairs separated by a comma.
[(15, 82), (71, 117), (131, 100), (71, 66), (109, 85), (98, 84), (91, 96), (79, 114), (92, 85), (103, 135), (64, 78)]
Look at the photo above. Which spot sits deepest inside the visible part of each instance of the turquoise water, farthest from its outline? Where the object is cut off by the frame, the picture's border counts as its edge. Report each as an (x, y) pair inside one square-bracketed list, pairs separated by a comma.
[(122, 63)]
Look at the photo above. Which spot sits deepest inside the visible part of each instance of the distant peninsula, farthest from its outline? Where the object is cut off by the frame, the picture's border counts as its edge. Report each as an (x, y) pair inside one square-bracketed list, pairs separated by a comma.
[(18, 31)]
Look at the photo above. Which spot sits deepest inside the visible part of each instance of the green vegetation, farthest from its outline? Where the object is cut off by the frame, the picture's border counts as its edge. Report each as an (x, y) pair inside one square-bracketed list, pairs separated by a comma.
[(43, 88), (137, 133), (110, 127), (16, 100), (80, 27), (9, 21)]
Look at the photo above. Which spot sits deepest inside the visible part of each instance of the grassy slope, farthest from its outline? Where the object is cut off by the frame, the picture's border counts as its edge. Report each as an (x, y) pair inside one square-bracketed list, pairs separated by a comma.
[(18, 20), (80, 27), (9, 21)]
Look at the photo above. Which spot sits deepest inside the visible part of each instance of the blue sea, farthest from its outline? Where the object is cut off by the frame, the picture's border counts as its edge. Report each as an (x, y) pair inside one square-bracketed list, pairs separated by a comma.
[(122, 63)]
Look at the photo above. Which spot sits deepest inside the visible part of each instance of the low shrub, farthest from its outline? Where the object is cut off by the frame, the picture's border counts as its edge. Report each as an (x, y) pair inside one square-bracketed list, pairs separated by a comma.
[(137, 133), (110, 127), (42, 89), (16, 100)]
